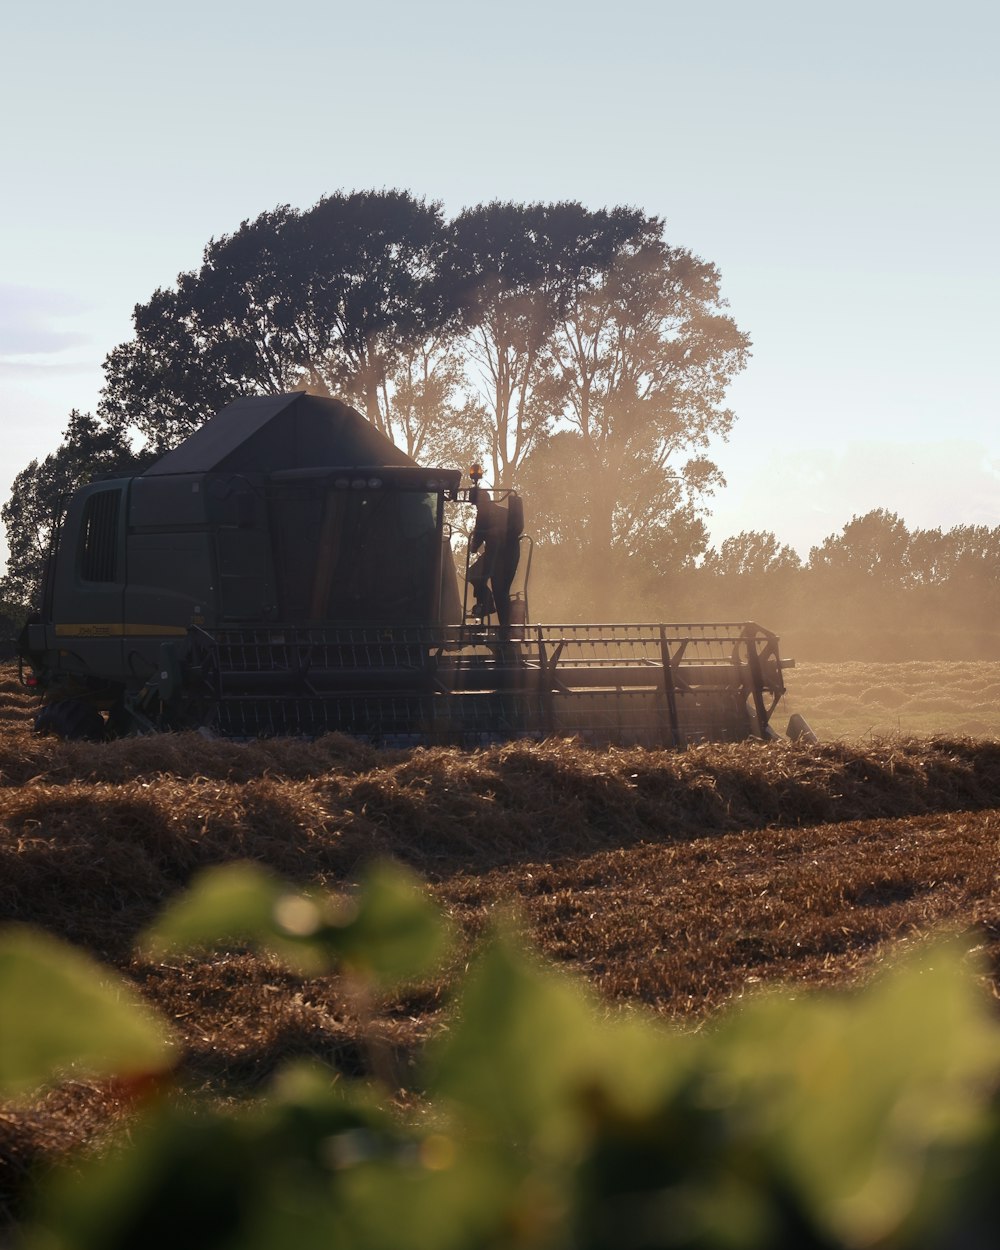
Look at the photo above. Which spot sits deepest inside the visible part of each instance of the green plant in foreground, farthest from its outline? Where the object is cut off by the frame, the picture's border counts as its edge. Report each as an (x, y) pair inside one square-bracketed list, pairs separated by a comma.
[(547, 1119)]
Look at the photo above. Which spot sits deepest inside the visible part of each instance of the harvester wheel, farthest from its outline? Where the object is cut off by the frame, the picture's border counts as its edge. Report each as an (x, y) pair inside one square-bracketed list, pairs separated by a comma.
[(71, 718)]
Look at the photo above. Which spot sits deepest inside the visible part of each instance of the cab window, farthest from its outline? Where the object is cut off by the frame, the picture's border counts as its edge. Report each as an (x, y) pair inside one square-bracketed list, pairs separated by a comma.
[(98, 554)]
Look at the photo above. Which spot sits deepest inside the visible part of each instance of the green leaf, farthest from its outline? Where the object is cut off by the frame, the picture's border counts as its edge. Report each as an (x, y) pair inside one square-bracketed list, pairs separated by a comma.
[(857, 1095), (233, 903), (314, 1165), (396, 934), (62, 1012), (446, 1195), (531, 1055), (388, 932)]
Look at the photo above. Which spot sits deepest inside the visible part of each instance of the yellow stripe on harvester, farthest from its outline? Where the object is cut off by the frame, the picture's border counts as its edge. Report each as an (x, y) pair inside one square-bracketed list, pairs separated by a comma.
[(113, 630)]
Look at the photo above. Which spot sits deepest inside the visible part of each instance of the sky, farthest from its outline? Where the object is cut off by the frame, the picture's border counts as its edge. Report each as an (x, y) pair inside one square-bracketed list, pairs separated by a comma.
[(838, 163)]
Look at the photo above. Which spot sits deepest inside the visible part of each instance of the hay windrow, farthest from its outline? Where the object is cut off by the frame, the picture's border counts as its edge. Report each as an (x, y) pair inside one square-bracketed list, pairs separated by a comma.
[(93, 859)]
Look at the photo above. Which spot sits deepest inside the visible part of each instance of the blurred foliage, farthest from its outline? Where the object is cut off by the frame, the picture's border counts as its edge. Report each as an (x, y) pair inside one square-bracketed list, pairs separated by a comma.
[(544, 1118), (61, 1012), (387, 932)]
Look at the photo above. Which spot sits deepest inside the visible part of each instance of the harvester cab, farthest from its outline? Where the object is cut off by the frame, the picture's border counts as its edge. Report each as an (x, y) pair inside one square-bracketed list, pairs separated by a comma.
[(288, 570)]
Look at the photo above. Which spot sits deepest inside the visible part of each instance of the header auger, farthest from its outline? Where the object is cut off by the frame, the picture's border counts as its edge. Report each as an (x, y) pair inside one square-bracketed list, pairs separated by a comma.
[(288, 570)]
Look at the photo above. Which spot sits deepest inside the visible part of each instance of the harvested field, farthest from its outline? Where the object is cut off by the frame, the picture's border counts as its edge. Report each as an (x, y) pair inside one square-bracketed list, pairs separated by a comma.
[(872, 701), (680, 881)]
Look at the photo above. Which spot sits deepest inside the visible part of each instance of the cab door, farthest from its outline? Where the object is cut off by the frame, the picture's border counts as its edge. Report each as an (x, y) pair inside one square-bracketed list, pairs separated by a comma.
[(88, 598)]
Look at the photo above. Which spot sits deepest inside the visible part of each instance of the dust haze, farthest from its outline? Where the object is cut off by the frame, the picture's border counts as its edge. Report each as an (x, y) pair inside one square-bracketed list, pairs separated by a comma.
[(839, 605)]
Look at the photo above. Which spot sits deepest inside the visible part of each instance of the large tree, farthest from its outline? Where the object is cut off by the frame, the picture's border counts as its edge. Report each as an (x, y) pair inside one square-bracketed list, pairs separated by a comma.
[(646, 352), (512, 269), (341, 299), (432, 417), (487, 336)]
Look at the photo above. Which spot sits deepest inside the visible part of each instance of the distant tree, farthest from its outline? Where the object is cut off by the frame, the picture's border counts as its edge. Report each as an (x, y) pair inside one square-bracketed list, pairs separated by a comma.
[(877, 544), (966, 553), (337, 299), (90, 449), (751, 553), (673, 543)]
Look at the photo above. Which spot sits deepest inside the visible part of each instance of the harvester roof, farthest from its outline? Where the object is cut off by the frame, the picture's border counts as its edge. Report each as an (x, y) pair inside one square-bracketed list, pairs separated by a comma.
[(271, 433)]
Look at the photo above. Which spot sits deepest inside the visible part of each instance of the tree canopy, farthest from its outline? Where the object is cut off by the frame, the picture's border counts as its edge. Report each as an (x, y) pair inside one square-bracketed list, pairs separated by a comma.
[(876, 544), (490, 332), (338, 299), (751, 553), (646, 353)]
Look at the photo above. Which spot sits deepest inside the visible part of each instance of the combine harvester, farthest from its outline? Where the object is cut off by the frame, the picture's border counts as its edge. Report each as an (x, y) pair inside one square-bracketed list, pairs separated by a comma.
[(288, 570)]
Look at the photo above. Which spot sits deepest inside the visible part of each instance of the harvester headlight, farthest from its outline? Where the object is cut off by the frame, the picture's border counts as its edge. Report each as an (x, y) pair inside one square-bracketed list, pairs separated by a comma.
[(358, 483), (341, 483), (374, 483)]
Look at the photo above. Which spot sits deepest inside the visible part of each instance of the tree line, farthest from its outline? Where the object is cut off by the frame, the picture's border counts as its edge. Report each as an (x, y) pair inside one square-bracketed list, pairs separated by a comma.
[(877, 545), (555, 343), (875, 590)]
